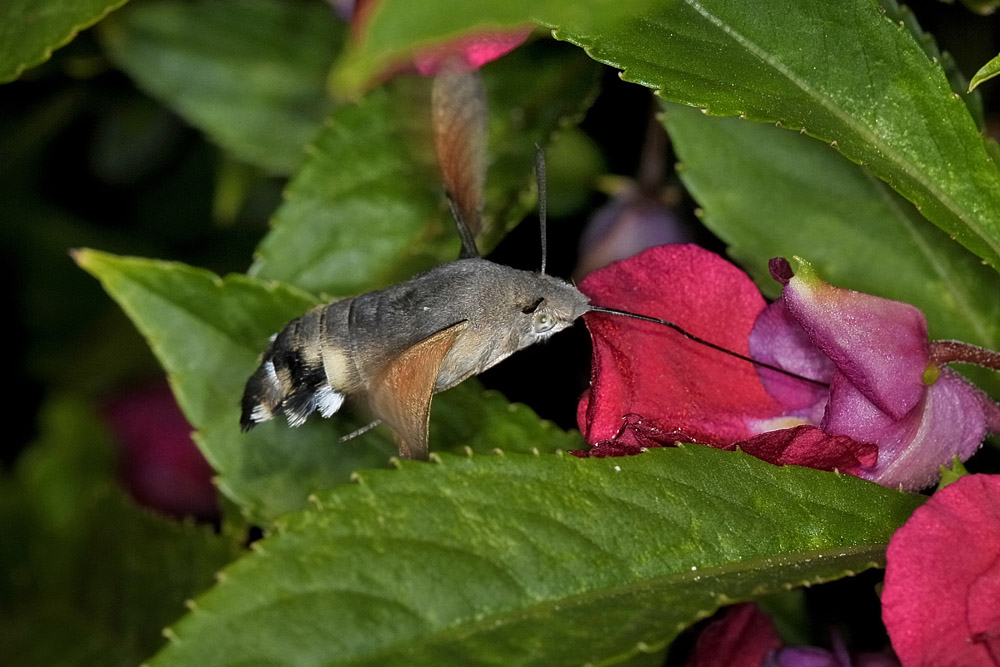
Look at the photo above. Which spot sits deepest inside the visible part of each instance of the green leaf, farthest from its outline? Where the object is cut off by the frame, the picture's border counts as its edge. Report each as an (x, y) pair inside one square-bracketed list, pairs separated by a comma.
[(366, 200), (532, 560), (31, 30), (849, 73), (208, 334), (250, 73), (395, 30), (985, 73), (770, 193), (85, 559), (367, 208), (533, 93)]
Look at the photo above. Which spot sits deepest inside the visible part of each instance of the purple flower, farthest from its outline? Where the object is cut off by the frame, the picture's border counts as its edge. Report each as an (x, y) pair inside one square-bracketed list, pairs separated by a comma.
[(880, 403), (885, 387)]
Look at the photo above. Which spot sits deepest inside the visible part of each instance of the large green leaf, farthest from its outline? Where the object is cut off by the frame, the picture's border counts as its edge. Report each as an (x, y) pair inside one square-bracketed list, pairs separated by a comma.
[(208, 334), (250, 73), (850, 73), (769, 193), (532, 560), (366, 200), (81, 557), (367, 208), (31, 30)]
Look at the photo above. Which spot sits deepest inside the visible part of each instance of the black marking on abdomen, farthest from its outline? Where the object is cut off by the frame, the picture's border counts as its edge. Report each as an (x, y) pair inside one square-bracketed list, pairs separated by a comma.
[(291, 377)]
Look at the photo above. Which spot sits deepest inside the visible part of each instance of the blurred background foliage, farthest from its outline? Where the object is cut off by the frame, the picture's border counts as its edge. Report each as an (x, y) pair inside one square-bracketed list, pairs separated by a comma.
[(89, 158)]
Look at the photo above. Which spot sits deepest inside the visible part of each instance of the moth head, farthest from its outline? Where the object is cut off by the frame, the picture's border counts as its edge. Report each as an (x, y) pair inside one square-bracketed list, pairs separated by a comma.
[(552, 306)]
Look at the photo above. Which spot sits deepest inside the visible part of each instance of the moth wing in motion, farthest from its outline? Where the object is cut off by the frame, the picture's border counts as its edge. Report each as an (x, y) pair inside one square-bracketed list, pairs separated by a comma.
[(401, 392), (458, 105)]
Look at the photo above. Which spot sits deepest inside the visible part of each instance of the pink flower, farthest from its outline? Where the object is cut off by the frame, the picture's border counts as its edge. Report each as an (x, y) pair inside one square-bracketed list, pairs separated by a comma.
[(879, 406), (470, 51), (941, 602), (161, 467), (884, 387)]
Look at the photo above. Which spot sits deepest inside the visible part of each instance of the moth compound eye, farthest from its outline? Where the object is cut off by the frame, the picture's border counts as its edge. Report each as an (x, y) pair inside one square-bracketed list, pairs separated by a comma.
[(533, 306), (542, 322)]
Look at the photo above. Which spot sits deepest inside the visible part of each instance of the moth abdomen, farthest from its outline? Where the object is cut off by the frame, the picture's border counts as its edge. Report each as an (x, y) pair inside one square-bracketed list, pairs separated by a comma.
[(295, 376)]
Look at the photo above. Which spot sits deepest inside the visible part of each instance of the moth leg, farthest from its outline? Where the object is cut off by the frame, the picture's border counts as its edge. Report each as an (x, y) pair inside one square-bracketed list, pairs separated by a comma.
[(402, 390), (360, 431)]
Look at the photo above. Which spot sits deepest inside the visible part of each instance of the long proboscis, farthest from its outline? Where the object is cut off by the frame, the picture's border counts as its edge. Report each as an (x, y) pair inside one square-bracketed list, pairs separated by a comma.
[(542, 203), (701, 341)]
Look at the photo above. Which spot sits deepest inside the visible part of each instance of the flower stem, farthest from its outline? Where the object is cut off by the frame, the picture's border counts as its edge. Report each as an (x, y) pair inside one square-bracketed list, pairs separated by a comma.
[(950, 351)]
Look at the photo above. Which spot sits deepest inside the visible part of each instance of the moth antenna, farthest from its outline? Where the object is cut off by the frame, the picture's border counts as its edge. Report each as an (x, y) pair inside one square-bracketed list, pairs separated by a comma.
[(697, 339), (542, 198), (469, 247)]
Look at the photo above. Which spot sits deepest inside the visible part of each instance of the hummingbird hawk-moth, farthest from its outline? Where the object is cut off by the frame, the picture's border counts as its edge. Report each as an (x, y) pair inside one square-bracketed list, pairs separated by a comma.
[(396, 347)]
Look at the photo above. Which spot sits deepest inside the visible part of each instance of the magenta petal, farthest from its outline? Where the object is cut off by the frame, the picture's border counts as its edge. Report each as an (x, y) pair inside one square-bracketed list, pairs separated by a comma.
[(810, 447), (741, 637), (161, 465), (677, 385), (949, 421), (472, 50), (941, 602), (880, 345), (777, 339)]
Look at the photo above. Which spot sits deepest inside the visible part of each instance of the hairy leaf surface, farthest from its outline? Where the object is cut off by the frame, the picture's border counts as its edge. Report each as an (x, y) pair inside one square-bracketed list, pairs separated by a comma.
[(519, 560), (852, 74)]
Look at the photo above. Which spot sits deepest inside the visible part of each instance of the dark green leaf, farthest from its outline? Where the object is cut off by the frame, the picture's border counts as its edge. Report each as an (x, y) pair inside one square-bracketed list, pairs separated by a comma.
[(770, 193), (849, 73), (366, 200), (209, 332), (367, 208), (109, 575), (250, 73), (532, 560), (30, 30), (395, 30)]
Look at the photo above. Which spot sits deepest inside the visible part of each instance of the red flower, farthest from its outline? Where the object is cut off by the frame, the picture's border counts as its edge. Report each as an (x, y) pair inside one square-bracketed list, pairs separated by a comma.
[(941, 602), (744, 636), (880, 406)]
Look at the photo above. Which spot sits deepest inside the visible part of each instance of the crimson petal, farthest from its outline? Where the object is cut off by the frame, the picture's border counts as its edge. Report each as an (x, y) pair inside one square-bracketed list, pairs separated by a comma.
[(810, 447), (676, 384)]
